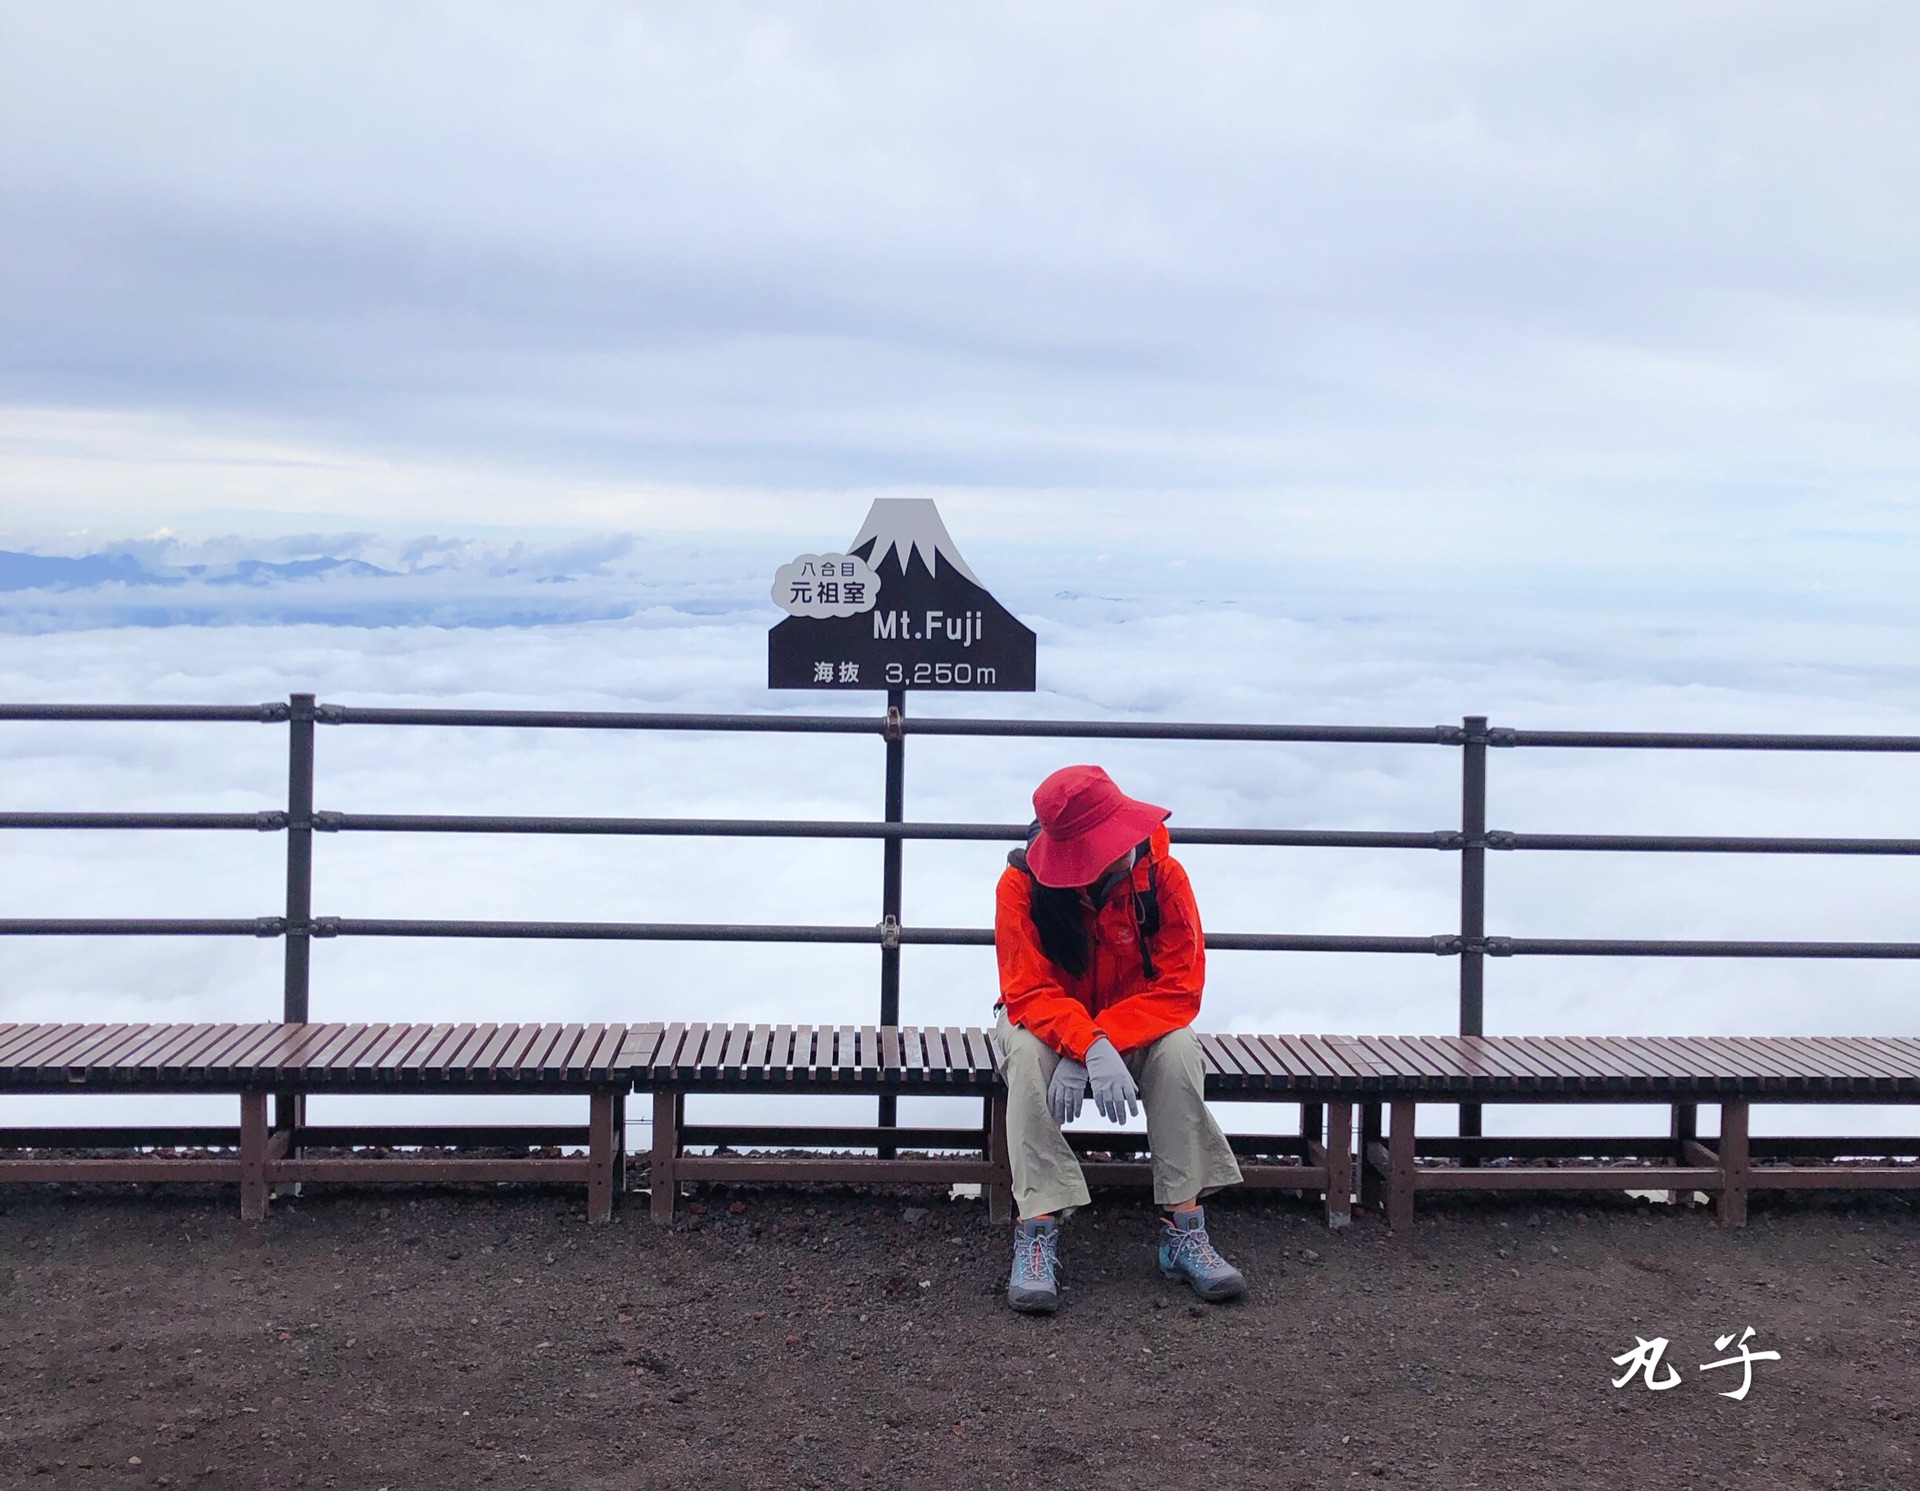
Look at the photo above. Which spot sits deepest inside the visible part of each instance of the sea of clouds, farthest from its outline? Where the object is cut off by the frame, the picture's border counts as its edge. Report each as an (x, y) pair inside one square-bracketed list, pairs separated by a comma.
[(622, 622)]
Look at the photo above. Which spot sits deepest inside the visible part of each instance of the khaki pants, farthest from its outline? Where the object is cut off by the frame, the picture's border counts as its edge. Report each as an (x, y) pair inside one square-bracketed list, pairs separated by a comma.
[(1190, 1154)]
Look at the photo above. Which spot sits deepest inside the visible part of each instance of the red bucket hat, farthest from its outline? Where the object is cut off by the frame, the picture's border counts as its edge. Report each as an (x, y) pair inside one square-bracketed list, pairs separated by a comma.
[(1086, 823)]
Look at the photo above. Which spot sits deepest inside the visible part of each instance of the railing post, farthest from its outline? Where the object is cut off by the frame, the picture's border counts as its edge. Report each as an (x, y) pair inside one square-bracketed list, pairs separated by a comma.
[(1473, 892), (287, 1106), (890, 866)]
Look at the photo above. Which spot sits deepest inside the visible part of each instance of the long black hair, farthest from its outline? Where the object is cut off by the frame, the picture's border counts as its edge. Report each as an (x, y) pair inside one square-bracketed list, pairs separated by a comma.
[(1060, 915)]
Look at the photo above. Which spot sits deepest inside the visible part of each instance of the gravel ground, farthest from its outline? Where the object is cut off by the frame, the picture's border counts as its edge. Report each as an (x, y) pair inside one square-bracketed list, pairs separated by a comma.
[(785, 1338)]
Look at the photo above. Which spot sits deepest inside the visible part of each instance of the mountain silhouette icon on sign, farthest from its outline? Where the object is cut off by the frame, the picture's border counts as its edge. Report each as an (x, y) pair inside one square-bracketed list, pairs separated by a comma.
[(930, 625)]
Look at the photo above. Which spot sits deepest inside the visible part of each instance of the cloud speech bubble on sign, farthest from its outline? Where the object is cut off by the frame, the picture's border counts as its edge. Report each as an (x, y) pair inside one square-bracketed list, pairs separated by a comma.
[(823, 585)]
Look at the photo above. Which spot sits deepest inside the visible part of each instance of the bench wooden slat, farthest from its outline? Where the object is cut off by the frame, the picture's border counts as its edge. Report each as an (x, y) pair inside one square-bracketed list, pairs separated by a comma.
[(203, 1061), (780, 1053), (1756, 1063), (1858, 1068), (580, 1059), (296, 1050), (553, 1061), (267, 1040), (39, 1040), (1720, 1068), (1505, 1065), (148, 1061), (401, 1039), (1619, 1064), (343, 1056), (1664, 1062), (1589, 1076), (64, 1039), (498, 1051), (415, 1054), (1255, 1050), (1347, 1054), (1402, 1055), (524, 1056), (389, 1054), (635, 1056), (1868, 1060), (73, 1052), (1781, 1070), (597, 1052), (435, 1061), (467, 1043), (97, 1054), (1298, 1057)]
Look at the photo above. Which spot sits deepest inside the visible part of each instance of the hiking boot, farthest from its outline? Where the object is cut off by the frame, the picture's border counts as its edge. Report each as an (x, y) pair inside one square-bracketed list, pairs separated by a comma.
[(1187, 1253), (1030, 1288)]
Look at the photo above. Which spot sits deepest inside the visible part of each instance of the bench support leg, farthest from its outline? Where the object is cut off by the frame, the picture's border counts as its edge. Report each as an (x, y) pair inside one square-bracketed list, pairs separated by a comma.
[(1339, 1154), (1370, 1187), (289, 1118), (253, 1156), (620, 1143), (663, 1177), (1734, 1169), (600, 1156), (1000, 1186), (1312, 1129), (1400, 1167), (1683, 1130)]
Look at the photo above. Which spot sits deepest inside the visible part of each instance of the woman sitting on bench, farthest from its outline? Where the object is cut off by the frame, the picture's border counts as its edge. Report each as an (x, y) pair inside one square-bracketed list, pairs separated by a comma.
[(1101, 968)]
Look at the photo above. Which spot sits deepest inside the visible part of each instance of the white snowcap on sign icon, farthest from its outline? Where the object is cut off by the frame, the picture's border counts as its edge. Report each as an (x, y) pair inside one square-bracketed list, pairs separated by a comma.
[(823, 585), (907, 524)]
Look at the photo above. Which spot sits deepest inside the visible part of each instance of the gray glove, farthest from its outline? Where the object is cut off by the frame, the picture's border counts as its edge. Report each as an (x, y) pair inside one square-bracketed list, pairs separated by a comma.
[(1067, 1091), (1114, 1093)]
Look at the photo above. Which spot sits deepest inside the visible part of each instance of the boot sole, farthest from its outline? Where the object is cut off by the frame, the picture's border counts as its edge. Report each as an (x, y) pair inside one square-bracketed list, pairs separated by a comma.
[(1035, 1306), (1217, 1296)]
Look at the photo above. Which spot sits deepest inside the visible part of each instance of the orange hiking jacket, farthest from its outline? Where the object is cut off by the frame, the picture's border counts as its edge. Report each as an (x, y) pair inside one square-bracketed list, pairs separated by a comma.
[(1113, 997)]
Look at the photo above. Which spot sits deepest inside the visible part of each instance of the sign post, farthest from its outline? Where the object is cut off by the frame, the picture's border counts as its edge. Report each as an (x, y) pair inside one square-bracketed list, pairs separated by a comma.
[(897, 610)]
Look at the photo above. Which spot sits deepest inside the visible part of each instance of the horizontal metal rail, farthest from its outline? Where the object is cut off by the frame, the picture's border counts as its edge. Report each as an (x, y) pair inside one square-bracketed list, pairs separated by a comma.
[(277, 711), (273, 820), (604, 719), (351, 926), (1694, 740), (273, 712), (1609, 947), (269, 821), (146, 926), (342, 926), (1698, 844), (799, 828), (835, 724), (1439, 945)]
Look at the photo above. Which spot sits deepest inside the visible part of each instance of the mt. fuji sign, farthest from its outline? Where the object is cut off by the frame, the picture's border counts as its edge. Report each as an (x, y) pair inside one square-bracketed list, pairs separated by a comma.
[(899, 609)]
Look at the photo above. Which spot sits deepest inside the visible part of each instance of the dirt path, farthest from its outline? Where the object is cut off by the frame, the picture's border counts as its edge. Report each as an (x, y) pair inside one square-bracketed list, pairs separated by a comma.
[(368, 1340)]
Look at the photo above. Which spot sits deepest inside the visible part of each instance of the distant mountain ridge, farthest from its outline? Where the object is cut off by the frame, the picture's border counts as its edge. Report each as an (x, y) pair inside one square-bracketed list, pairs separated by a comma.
[(24, 571)]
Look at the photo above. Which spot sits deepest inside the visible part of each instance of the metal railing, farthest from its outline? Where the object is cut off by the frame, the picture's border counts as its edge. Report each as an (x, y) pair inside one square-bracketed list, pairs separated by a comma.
[(1471, 839)]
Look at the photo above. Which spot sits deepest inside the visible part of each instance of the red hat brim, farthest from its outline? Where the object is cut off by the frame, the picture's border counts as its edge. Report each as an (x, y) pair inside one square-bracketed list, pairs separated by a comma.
[(1063, 863)]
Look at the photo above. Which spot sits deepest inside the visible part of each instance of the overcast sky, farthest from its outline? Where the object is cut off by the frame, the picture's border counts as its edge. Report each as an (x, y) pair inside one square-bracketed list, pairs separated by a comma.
[(1626, 289)]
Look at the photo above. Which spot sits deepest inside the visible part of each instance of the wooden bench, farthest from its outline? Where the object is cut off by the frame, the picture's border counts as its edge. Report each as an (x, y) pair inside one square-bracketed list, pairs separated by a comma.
[(1332, 1078), (1734, 1072), (294, 1061)]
